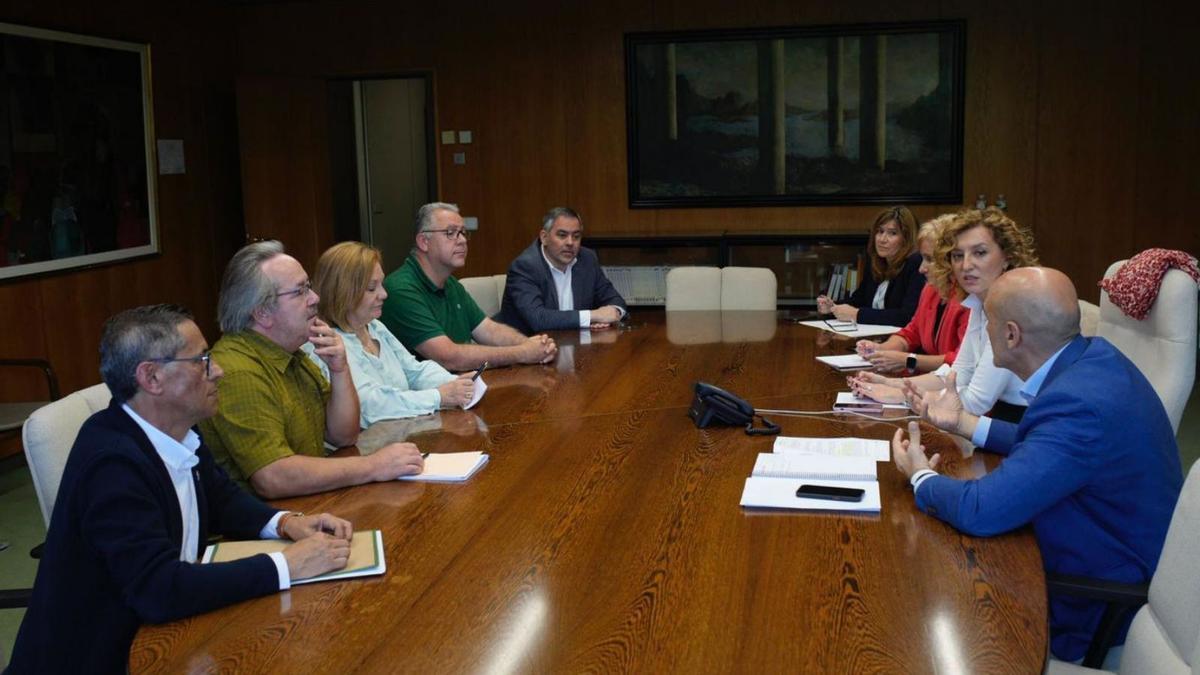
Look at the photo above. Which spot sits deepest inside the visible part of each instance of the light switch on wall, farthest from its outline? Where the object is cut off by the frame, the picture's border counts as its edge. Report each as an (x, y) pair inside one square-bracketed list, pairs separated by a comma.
[(464, 137), (471, 223), (447, 138)]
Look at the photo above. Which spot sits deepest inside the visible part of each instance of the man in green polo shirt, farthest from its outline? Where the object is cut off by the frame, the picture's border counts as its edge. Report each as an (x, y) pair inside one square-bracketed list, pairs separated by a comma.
[(434, 316), (277, 410)]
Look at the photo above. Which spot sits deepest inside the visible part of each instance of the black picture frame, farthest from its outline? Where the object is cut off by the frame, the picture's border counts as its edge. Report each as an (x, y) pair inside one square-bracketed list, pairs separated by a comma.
[(77, 156), (697, 139)]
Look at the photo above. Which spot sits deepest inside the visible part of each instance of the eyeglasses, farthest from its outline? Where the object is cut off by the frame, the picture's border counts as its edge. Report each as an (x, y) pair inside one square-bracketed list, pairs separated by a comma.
[(300, 291), (452, 234), (205, 358)]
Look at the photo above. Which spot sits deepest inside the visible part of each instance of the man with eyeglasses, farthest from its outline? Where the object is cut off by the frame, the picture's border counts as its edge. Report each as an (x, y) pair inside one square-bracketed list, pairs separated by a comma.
[(557, 284), (139, 495), (277, 409), (434, 316)]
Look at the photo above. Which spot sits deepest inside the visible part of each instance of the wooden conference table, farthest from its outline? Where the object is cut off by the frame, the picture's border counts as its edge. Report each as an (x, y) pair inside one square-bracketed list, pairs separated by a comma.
[(605, 535)]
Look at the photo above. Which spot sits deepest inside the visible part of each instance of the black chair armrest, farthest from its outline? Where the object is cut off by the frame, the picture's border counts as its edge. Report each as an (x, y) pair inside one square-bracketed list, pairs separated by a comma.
[(46, 368), (16, 598), (1121, 599), (1098, 589)]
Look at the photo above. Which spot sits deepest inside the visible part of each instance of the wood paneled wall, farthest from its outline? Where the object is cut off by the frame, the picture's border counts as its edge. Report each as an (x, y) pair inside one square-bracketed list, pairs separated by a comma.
[(1081, 114), (59, 316)]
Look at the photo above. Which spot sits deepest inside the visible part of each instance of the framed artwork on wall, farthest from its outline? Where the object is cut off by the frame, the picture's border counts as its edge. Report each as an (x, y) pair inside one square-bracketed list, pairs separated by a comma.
[(77, 179), (855, 114)]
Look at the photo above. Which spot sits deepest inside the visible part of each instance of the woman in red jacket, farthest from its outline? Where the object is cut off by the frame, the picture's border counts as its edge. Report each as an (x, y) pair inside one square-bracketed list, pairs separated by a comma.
[(937, 327)]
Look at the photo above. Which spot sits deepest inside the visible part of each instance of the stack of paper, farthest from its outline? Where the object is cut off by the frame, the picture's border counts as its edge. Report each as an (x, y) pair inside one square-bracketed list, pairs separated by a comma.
[(848, 399), (851, 329), (835, 462), (879, 451), (845, 362), (366, 555), (450, 467)]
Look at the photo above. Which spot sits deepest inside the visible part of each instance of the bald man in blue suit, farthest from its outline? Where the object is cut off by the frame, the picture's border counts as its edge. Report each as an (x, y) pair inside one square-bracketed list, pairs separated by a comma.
[(1093, 465)]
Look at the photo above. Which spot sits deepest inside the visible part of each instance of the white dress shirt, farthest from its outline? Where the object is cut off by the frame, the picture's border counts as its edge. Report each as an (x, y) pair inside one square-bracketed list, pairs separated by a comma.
[(180, 460), (880, 295), (980, 382), (566, 296)]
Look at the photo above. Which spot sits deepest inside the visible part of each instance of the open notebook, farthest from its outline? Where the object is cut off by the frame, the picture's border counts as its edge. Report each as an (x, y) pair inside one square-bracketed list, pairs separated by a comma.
[(777, 476), (366, 555)]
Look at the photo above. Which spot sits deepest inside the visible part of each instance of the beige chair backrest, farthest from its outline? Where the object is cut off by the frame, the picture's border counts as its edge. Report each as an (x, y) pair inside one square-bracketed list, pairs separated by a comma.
[(694, 288), (1089, 318), (501, 282), (483, 292), (1163, 345), (49, 434), (748, 288), (1165, 635)]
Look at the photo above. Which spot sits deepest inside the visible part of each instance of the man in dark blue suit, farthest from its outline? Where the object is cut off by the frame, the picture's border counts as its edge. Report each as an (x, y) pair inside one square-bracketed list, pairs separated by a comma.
[(557, 284), (1093, 465), (139, 496)]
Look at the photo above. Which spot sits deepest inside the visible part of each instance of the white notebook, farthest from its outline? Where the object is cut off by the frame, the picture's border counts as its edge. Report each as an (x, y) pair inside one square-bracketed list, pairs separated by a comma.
[(879, 451), (848, 397), (851, 329), (450, 467), (845, 362), (780, 493), (776, 465)]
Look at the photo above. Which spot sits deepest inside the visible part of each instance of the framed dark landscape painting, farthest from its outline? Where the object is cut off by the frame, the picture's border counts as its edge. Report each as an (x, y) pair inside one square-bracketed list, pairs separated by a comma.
[(77, 177), (821, 115)]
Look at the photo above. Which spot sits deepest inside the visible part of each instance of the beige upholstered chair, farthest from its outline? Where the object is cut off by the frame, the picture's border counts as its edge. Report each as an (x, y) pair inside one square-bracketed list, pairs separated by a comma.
[(483, 292), (501, 282), (748, 288), (1163, 345), (1165, 635), (49, 434), (1089, 318), (694, 288)]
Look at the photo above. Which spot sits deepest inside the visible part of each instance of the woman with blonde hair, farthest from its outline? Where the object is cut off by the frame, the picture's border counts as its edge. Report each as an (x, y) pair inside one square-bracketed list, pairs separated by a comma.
[(889, 294), (936, 330), (974, 249), (390, 381)]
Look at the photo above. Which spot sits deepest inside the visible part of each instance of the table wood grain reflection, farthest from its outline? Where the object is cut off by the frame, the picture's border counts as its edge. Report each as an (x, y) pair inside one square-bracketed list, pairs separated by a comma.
[(605, 535)]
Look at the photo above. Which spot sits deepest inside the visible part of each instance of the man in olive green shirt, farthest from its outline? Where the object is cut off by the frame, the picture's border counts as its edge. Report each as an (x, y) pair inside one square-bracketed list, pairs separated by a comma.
[(277, 410), (431, 313)]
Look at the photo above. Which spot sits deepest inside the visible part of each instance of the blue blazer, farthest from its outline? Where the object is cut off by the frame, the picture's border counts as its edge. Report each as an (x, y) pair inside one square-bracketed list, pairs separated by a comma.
[(531, 303), (899, 301), (1093, 465), (111, 559)]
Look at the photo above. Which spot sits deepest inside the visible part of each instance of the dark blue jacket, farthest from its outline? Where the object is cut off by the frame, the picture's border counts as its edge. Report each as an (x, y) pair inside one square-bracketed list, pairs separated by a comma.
[(531, 302), (899, 301), (111, 560), (1093, 465)]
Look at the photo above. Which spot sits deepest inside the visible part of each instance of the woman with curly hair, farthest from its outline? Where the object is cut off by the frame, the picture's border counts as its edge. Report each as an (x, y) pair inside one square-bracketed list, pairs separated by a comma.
[(974, 249), (932, 338), (889, 295)]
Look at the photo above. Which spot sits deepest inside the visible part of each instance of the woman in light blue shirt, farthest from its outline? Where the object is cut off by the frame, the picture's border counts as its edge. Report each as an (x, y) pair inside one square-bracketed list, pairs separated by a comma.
[(391, 382)]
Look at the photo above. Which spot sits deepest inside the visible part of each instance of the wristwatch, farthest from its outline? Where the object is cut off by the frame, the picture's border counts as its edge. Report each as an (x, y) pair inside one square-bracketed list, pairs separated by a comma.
[(911, 362)]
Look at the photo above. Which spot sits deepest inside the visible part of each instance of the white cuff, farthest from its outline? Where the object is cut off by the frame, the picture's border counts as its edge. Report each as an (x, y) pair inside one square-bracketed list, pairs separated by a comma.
[(979, 438), (920, 477), (585, 318), (271, 529), (285, 578)]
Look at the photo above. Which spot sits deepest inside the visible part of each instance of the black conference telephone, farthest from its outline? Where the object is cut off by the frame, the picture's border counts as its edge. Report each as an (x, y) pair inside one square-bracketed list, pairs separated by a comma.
[(713, 405)]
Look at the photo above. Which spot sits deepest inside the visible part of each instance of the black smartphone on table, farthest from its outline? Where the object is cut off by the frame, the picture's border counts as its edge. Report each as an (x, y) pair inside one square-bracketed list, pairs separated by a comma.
[(837, 494)]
